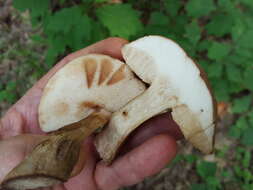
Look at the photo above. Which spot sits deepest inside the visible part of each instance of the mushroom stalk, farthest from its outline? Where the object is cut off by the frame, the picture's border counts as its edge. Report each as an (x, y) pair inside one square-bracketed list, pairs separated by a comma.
[(124, 121), (52, 161)]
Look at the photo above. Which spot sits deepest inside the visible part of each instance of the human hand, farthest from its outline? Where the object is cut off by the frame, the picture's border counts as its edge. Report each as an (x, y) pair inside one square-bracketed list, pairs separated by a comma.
[(146, 152)]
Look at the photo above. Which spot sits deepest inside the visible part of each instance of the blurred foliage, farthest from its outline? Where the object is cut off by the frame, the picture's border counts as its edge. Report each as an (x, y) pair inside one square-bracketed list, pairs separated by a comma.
[(218, 34)]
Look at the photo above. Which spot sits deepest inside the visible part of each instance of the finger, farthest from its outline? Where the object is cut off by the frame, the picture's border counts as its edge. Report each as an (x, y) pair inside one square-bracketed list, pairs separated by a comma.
[(162, 124), (11, 125), (143, 161), (80, 163), (85, 178)]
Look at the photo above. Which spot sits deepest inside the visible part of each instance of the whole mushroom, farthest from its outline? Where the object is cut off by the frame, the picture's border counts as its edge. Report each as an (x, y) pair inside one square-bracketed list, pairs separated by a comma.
[(177, 84)]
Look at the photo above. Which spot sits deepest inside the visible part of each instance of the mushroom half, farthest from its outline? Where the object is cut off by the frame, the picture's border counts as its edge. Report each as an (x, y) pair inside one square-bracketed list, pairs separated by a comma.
[(76, 101), (86, 85), (176, 84)]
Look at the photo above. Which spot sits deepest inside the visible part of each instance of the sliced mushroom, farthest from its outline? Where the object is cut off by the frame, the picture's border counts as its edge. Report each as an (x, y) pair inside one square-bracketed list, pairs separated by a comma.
[(86, 85), (76, 101), (176, 84)]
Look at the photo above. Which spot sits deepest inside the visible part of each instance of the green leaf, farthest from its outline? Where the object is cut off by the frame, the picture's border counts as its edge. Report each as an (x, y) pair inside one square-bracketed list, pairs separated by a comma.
[(220, 25), (198, 8), (250, 117), (58, 43), (62, 1), (220, 89), (235, 87), (11, 98), (155, 30), (158, 18), (227, 174), (120, 19), (247, 137), (193, 32), (213, 182), (3, 95), (190, 158), (204, 64), (38, 39), (246, 40), (88, 1), (243, 54), (178, 26), (241, 104), (218, 51), (176, 160), (81, 32), (227, 4), (247, 3), (72, 31), (198, 187), (248, 79), (247, 156), (233, 73), (37, 8), (238, 29), (95, 35), (172, 6), (206, 169), (11, 86), (236, 130), (187, 46), (56, 23), (51, 55), (40, 7), (100, 1), (215, 70), (22, 5), (204, 45)]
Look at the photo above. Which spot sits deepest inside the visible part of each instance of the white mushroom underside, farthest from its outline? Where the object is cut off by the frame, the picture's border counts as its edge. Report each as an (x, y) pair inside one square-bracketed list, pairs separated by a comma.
[(70, 97)]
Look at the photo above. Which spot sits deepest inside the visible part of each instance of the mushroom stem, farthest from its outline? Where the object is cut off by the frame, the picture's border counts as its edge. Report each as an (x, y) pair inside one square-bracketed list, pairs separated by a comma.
[(124, 121), (52, 161)]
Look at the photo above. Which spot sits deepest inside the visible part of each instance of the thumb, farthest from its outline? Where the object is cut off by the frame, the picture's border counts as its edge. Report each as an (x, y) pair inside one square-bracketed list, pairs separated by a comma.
[(14, 150)]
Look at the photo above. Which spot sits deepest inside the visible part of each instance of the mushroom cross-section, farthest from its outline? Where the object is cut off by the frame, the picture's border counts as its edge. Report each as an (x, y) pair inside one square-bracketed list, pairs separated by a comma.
[(86, 85), (176, 84)]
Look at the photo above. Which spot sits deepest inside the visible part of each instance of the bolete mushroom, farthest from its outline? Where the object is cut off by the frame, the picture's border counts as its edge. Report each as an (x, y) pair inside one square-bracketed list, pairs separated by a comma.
[(76, 101), (176, 84)]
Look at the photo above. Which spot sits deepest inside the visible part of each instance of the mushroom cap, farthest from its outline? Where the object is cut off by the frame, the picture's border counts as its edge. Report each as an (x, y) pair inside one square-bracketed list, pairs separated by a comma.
[(85, 85), (164, 64)]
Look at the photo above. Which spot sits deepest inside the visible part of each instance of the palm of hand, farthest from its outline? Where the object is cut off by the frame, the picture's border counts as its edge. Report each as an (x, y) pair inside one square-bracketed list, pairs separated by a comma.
[(128, 169)]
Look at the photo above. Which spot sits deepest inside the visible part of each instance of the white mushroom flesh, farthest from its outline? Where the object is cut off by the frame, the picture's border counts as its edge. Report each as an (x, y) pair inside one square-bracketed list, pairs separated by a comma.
[(84, 85)]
